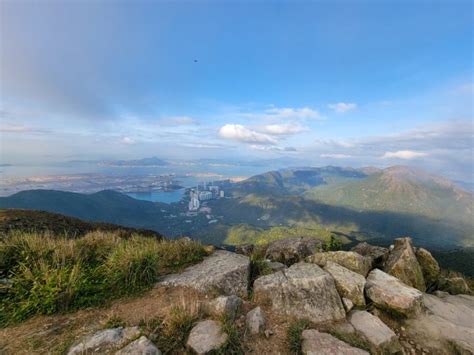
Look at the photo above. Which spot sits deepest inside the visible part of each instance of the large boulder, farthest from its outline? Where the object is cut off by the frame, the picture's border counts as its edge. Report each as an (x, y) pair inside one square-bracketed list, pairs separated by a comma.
[(447, 325), (316, 343), (349, 284), (376, 253), (389, 293), (303, 291), (349, 259), (429, 266), (455, 285), (292, 249), (382, 339), (255, 321), (224, 305), (206, 336), (104, 340), (223, 271), (141, 346), (403, 264)]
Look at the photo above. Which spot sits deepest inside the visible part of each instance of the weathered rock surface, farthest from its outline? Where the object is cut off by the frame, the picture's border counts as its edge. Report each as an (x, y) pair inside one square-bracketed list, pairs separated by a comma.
[(276, 266), (316, 343), (389, 293), (141, 346), (223, 271), (291, 250), (104, 339), (381, 338), (448, 323), (454, 285), (303, 291), (403, 264), (429, 266), (376, 253), (206, 336), (349, 259), (349, 284), (228, 305), (255, 321), (348, 304)]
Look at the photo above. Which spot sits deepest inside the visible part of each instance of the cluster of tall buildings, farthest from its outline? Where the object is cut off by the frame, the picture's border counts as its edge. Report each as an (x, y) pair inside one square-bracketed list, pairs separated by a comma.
[(203, 193)]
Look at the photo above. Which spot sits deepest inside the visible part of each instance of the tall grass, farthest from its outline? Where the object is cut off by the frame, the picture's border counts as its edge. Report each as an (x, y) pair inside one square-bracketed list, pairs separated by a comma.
[(48, 274)]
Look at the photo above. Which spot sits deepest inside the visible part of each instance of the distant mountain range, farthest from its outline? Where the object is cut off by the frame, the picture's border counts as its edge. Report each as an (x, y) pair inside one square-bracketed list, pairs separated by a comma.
[(359, 204), (153, 161)]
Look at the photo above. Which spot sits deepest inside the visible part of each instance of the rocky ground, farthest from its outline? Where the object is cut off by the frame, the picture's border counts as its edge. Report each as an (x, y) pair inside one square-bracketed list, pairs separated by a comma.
[(368, 300)]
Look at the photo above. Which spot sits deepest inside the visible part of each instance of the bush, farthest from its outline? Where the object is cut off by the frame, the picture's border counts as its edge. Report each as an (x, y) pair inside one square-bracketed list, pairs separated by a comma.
[(294, 336), (47, 274), (332, 244)]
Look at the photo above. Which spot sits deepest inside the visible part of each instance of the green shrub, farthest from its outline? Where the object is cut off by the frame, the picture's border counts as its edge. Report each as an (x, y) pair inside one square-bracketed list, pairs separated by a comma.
[(332, 244), (294, 335), (50, 274)]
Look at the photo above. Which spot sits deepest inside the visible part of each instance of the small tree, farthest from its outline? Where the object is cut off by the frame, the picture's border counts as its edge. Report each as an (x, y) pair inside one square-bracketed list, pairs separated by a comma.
[(332, 244)]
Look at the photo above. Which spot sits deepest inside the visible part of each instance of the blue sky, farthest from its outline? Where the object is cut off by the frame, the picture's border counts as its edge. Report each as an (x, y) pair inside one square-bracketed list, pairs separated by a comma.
[(329, 82)]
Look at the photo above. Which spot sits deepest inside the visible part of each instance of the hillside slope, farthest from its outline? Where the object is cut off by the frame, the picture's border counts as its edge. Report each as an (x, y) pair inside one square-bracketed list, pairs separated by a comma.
[(25, 221), (400, 189)]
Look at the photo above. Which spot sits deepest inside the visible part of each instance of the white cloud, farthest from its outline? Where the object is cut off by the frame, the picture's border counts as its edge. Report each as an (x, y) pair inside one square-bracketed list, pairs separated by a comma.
[(283, 129), (336, 156), (404, 154), (241, 133), (292, 113), (127, 141), (342, 107)]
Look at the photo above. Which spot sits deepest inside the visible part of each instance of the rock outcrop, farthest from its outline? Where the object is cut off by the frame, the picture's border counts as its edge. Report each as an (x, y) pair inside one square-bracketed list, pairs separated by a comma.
[(349, 284), (389, 293), (303, 291), (376, 253), (403, 264), (454, 285), (255, 321), (223, 271), (429, 266), (448, 324), (141, 346), (224, 305), (103, 340), (291, 250), (349, 259), (316, 343), (206, 336), (382, 339)]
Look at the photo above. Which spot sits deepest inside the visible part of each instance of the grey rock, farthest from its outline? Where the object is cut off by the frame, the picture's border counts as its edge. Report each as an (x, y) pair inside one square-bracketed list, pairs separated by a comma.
[(349, 284), (206, 336), (429, 266), (454, 285), (276, 266), (303, 291), (349, 259), (376, 253), (223, 271), (141, 346), (389, 293), (447, 323), (316, 343), (403, 264), (291, 250), (381, 338), (228, 305), (348, 305), (255, 321), (104, 339)]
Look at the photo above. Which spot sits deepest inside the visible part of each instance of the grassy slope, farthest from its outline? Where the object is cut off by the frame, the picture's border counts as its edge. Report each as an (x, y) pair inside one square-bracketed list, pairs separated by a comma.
[(41, 221)]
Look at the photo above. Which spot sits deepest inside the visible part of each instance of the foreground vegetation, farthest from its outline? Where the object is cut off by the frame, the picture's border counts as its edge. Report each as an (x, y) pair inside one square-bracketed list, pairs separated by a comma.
[(47, 274)]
